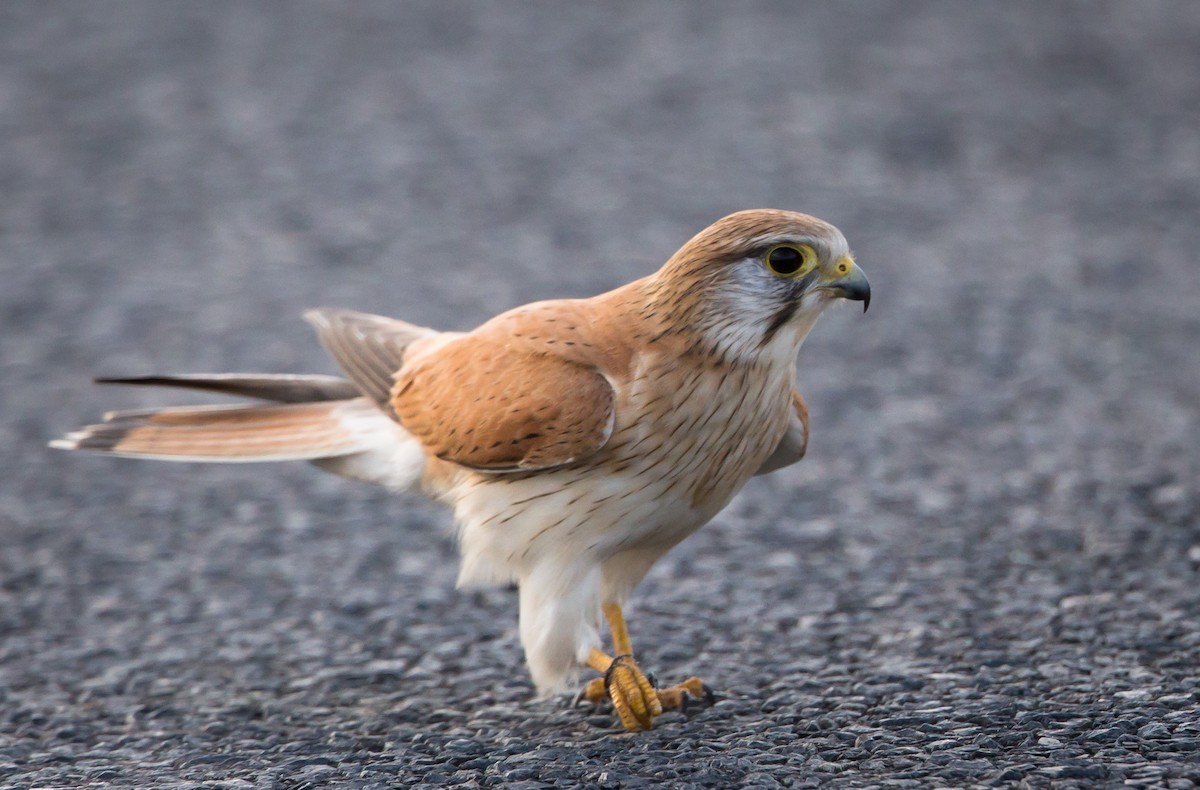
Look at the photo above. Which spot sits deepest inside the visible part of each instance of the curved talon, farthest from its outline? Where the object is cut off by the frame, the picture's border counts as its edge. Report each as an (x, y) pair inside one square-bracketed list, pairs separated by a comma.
[(682, 695), (695, 684)]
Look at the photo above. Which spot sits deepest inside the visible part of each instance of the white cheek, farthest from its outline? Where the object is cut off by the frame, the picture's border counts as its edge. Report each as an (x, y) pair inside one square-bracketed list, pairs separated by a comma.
[(751, 297), (752, 291)]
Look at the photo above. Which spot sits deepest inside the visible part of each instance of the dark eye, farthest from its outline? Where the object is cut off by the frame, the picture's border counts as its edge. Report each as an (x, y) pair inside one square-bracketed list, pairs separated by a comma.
[(784, 260)]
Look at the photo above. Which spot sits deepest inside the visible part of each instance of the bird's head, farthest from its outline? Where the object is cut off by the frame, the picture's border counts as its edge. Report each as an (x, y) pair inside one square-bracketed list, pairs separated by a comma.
[(759, 278)]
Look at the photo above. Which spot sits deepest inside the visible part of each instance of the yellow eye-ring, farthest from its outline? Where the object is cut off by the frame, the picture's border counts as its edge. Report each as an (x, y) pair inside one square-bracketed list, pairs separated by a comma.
[(790, 260)]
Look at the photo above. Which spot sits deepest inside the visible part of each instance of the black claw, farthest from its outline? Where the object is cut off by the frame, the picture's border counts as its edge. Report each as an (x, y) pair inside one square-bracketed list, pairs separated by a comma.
[(653, 678), (686, 700)]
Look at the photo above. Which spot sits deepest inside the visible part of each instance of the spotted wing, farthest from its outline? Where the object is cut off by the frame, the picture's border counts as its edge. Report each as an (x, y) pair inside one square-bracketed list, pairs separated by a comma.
[(499, 407)]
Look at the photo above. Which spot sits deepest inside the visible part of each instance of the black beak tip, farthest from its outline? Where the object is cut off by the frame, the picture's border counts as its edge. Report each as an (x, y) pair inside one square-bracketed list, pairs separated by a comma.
[(860, 292)]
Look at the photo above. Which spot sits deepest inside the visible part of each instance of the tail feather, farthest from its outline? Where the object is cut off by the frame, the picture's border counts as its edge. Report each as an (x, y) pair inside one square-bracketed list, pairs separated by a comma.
[(281, 388), (353, 438), (299, 431)]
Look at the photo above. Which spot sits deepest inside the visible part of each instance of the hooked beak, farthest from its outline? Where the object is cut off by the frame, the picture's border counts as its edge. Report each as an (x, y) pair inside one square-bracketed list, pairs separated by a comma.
[(852, 285)]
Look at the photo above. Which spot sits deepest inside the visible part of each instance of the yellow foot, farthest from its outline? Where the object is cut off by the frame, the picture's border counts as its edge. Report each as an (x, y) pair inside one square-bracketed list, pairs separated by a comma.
[(634, 696)]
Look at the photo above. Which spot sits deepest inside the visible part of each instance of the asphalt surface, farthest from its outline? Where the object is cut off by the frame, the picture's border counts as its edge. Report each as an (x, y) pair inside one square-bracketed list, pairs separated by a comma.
[(985, 574)]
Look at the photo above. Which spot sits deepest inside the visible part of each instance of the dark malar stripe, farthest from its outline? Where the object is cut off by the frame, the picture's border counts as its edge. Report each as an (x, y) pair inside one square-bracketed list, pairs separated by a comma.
[(797, 289), (778, 320)]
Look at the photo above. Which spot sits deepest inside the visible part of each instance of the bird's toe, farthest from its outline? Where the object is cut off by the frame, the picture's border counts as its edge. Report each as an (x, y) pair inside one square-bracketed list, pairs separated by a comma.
[(682, 695), (633, 696), (594, 692)]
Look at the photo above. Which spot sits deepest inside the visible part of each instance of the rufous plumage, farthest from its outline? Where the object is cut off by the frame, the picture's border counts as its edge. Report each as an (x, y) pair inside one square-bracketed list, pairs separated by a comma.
[(576, 440)]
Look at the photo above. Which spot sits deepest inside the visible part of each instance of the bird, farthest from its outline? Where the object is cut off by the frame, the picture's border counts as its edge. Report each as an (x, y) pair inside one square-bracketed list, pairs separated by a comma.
[(575, 440)]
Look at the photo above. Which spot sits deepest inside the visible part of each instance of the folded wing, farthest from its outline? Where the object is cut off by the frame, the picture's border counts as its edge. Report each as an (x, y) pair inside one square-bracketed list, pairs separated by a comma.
[(502, 407)]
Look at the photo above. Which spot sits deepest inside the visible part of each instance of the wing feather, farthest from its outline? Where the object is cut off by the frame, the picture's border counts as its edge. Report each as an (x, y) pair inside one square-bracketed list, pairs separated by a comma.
[(368, 348), (501, 407)]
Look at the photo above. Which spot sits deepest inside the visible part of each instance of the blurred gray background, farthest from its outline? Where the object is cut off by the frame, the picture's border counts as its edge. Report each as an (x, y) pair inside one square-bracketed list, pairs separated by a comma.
[(984, 573)]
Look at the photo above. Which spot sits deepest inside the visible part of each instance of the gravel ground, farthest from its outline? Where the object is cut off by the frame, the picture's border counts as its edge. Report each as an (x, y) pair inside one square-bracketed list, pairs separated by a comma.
[(984, 575)]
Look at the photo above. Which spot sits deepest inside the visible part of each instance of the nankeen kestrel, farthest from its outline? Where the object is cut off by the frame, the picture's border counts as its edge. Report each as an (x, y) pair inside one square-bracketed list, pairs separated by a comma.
[(577, 440)]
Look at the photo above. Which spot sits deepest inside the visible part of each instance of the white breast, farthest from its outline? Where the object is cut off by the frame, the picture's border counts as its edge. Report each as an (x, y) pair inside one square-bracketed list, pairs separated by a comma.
[(573, 536), (686, 440)]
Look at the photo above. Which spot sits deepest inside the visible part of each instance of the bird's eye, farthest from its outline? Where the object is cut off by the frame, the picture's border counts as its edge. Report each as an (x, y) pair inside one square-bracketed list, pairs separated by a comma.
[(787, 260)]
